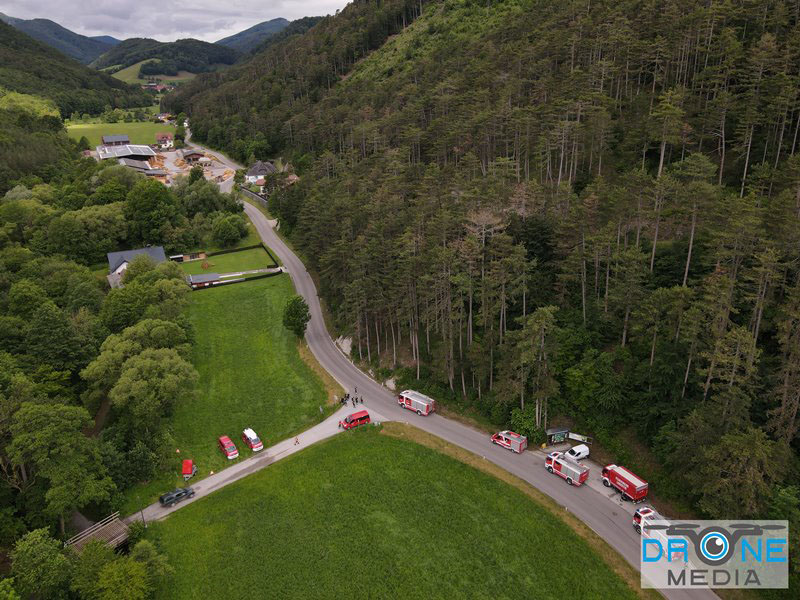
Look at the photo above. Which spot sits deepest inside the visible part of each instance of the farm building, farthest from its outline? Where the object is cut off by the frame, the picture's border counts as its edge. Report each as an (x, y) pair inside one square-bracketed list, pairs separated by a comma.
[(203, 280), (116, 140), (118, 262), (135, 152), (191, 156), (145, 168), (259, 171)]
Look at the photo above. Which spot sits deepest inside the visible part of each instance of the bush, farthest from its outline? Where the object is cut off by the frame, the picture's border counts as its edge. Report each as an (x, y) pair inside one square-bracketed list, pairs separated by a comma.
[(136, 531), (228, 229), (296, 316), (524, 422)]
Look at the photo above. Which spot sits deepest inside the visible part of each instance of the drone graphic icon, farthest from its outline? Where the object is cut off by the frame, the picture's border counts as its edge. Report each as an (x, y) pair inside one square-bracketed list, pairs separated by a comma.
[(714, 545)]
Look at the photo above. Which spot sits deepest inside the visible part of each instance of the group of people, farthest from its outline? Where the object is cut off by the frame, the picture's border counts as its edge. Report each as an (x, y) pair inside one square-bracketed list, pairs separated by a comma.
[(352, 399)]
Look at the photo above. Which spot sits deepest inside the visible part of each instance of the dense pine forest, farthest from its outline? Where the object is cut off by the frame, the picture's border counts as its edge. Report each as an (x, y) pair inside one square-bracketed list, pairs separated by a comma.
[(583, 211)]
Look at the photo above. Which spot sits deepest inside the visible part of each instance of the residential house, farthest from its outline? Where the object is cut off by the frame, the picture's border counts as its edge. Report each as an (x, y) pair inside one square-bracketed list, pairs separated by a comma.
[(164, 141), (118, 262), (259, 170), (116, 140)]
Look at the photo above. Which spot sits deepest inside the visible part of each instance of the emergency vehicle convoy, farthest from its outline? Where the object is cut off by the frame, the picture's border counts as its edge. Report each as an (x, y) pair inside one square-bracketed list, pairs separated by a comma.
[(419, 403), (566, 468), (511, 441), (631, 486)]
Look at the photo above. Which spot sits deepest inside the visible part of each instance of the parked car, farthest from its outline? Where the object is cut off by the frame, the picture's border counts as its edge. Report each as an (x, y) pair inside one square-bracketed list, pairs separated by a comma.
[(357, 418), (511, 441), (175, 496), (228, 447), (578, 452), (251, 440)]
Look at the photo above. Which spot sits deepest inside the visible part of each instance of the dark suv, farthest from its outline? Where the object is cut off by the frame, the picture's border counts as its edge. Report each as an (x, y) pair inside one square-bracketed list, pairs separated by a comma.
[(175, 496)]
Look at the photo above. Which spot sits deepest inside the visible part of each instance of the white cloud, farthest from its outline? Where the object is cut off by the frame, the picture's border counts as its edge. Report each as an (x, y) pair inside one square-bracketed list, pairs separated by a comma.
[(165, 20)]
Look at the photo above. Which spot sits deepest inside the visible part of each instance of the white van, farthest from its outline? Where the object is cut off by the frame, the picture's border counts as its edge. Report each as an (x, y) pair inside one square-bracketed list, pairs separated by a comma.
[(578, 452)]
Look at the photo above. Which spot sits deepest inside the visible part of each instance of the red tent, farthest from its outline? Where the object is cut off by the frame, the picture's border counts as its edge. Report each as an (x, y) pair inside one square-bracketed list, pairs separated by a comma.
[(189, 468)]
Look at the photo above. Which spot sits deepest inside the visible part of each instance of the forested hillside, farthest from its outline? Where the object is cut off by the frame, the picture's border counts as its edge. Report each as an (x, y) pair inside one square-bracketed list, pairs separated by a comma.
[(32, 139), (81, 48), (578, 210), (167, 57), (246, 40), (30, 67), (298, 27)]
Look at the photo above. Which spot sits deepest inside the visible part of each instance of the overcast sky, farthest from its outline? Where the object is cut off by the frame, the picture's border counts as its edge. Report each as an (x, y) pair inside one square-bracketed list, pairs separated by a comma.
[(165, 20)]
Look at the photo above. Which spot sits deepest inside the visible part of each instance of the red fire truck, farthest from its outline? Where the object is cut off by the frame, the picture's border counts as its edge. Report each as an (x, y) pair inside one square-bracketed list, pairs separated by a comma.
[(419, 403), (575, 473), (631, 486), (645, 516), (510, 440)]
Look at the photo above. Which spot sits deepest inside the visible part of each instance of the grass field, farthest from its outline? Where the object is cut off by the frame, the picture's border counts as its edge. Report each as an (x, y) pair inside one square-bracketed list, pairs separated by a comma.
[(251, 375), (365, 515), (131, 74), (139, 133), (245, 260)]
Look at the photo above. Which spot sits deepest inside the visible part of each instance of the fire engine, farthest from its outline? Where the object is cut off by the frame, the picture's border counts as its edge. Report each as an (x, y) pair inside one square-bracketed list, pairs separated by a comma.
[(644, 516), (510, 440), (574, 473), (631, 486), (419, 403)]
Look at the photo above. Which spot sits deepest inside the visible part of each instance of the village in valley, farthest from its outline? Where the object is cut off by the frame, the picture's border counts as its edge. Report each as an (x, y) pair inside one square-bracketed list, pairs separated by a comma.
[(161, 159)]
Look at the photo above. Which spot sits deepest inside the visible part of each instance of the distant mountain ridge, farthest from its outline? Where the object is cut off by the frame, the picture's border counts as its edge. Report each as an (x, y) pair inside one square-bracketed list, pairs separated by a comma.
[(167, 57), (107, 39), (81, 48), (246, 40), (297, 27)]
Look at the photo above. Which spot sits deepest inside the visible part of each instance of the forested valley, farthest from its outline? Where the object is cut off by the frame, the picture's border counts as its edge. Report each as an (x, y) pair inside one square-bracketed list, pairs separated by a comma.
[(582, 212)]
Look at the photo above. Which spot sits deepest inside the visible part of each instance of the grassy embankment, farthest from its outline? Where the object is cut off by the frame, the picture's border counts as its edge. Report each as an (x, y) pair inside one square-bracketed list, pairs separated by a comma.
[(369, 515)]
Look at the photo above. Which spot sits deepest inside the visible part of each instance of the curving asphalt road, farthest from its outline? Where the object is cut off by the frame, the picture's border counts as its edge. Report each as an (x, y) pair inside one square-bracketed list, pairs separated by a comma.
[(593, 504)]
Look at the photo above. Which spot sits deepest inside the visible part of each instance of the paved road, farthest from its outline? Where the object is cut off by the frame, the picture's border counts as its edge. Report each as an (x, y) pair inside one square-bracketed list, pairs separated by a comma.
[(593, 504), (242, 468)]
